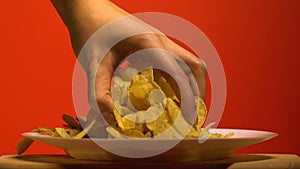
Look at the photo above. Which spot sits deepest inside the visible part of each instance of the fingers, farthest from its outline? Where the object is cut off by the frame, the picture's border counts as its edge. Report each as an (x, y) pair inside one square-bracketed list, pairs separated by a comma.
[(178, 80), (152, 52), (102, 87), (198, 69), (197, 66)]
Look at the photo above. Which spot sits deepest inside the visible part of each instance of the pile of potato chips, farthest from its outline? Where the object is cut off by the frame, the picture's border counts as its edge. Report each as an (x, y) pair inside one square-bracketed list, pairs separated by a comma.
[(147, 107)]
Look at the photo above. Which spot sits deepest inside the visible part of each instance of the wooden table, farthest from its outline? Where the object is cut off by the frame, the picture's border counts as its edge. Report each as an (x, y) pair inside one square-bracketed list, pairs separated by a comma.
[(240, 161)]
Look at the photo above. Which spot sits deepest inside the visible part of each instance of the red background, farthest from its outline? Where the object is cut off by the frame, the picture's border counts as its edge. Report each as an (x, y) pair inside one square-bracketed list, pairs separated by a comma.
[(258, 42)]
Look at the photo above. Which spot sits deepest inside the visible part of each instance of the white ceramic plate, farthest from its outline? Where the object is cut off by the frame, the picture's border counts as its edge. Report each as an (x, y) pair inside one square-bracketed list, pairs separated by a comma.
[(187, 149)]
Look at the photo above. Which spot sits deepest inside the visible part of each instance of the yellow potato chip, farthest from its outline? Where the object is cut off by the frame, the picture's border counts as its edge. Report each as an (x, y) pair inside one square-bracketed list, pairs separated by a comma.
[(151, 114), (71, 122), (148, 134), (194, 133), (86, 129), (119, 90), (73, 132), (170, 132), (156, 96), (132, 124), (113, 132), (181, 125), (135, 134), (140, 88), (173, 110), (118, 118), (176, 119), (160, 124), (62, 132), (123, 111), (202, 112), (218, 135), (165, 86)]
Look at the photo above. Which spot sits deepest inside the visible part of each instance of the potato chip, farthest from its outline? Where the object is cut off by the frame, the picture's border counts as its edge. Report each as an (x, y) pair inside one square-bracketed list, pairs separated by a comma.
[(205, 134), (113, 132), (218, 135), (82, 120), (202, 112), (46, 131), (194, 133), (123, 111), (98, 129), (129, 123), (119, 90), (127, 73), (73, 132), (86, 129), (159, 125), (176, 119), (147, 116), (62, 132), (118, 118), (140, 88), (173, 110), (156, 96), (23, 145), (165, 86), (135, 134), (71, 122)]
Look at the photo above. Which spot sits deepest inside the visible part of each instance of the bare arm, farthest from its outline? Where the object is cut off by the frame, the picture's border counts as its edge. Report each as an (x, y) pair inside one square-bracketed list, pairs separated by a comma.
[(83, 18)]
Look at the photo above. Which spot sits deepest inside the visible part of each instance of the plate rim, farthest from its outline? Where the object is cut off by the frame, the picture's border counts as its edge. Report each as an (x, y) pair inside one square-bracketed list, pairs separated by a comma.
[(270, 135)]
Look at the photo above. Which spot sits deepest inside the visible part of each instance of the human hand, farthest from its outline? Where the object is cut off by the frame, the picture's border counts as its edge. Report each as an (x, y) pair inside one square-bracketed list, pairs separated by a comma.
[(87, 20), (105, 69)]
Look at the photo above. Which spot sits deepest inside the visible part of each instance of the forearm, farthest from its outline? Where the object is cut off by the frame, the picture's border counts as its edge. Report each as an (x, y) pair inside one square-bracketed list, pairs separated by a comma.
[(84, 17)]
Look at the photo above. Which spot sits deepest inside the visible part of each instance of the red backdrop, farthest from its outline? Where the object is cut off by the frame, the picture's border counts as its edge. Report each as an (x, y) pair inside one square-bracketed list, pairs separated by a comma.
[(258, 42)]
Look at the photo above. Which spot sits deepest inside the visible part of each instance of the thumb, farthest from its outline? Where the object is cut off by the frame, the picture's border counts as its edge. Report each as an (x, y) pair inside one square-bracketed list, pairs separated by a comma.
[(102, 92)]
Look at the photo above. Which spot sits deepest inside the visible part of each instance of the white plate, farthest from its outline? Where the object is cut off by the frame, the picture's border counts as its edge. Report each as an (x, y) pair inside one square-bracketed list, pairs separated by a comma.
[(187, 149)]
